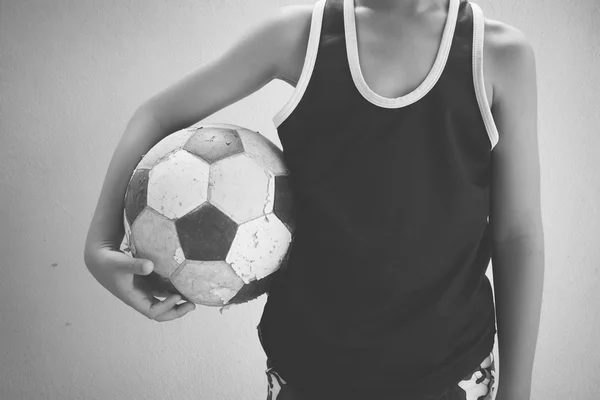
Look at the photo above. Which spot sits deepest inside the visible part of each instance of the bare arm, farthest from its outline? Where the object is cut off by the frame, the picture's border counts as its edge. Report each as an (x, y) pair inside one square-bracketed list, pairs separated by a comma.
[(247, 66), (253, 61), (515, 218)]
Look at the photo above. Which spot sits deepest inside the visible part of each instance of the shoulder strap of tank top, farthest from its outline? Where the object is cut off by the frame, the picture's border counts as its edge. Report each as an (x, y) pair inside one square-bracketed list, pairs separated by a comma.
[(309, 64), (478, 79)]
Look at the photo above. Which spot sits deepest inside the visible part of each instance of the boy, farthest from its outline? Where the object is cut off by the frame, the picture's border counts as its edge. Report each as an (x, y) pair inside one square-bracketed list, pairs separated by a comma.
[(412, 166)]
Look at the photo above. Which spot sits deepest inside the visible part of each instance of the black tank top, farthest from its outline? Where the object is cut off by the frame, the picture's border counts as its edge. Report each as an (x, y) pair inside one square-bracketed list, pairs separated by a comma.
[(385, 293)]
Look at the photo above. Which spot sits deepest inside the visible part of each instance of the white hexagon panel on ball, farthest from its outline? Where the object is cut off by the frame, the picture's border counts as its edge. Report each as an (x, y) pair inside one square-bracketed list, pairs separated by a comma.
[(241, 188), (178, 184), (211, 283), (264, 152), (259, 247), (155, 239), (163, 148)]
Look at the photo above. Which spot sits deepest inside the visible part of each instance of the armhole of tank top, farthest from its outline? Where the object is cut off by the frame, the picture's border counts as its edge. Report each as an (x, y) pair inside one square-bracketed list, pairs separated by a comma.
[(308, 66), (478, 78)]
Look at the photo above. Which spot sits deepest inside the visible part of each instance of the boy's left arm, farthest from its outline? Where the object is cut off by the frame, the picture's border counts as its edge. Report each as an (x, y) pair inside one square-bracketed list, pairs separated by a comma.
[(515, 211)]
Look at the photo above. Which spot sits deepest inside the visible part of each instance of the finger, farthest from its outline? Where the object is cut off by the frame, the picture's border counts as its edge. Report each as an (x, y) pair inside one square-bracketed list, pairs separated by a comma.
[(161, 307), (140, 300), (149, 306), (161, 295), (134, 291), (177, 311), (138, 266)]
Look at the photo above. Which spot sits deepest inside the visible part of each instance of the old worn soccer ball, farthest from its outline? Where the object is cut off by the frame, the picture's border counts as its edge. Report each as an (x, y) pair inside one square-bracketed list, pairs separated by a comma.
[(211, 207)]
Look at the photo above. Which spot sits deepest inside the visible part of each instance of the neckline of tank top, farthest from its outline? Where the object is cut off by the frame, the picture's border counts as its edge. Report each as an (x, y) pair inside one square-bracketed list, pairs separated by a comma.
[(426, 85)]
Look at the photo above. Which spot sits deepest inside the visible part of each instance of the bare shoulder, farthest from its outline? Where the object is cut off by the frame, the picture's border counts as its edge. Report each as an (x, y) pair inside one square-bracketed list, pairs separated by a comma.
[(515, 195), (509, 55), (294, 24)]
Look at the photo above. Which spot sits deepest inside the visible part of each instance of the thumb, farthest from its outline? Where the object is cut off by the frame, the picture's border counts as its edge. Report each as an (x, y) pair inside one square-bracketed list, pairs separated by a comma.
[(141, 266)]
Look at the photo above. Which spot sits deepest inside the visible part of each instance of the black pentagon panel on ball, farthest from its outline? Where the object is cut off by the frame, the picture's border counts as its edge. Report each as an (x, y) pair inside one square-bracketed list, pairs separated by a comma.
[(283, 205), (136, 196), (213, 144), (206, 234)]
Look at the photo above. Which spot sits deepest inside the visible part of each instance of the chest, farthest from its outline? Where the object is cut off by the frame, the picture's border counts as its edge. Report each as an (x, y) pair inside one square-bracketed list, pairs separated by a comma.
[(393, 62)]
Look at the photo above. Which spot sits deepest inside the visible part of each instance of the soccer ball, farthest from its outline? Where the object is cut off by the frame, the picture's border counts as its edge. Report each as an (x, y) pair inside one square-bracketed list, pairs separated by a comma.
[(211, 207)]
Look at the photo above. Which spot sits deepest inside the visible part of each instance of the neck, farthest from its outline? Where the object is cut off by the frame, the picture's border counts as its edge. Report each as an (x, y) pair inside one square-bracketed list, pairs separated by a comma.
[(402, 6)]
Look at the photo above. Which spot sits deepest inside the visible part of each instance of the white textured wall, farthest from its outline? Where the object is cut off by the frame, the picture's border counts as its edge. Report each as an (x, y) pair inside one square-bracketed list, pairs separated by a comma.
[(72, 73)]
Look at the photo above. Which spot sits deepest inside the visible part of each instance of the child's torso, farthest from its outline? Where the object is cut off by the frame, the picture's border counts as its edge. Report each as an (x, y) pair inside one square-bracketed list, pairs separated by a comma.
[(388, 141)]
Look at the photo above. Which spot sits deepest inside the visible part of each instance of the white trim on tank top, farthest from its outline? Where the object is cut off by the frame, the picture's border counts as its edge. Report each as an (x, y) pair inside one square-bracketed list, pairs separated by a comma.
[(352, 54), (478, 80), (426, 85), (309, 64)]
